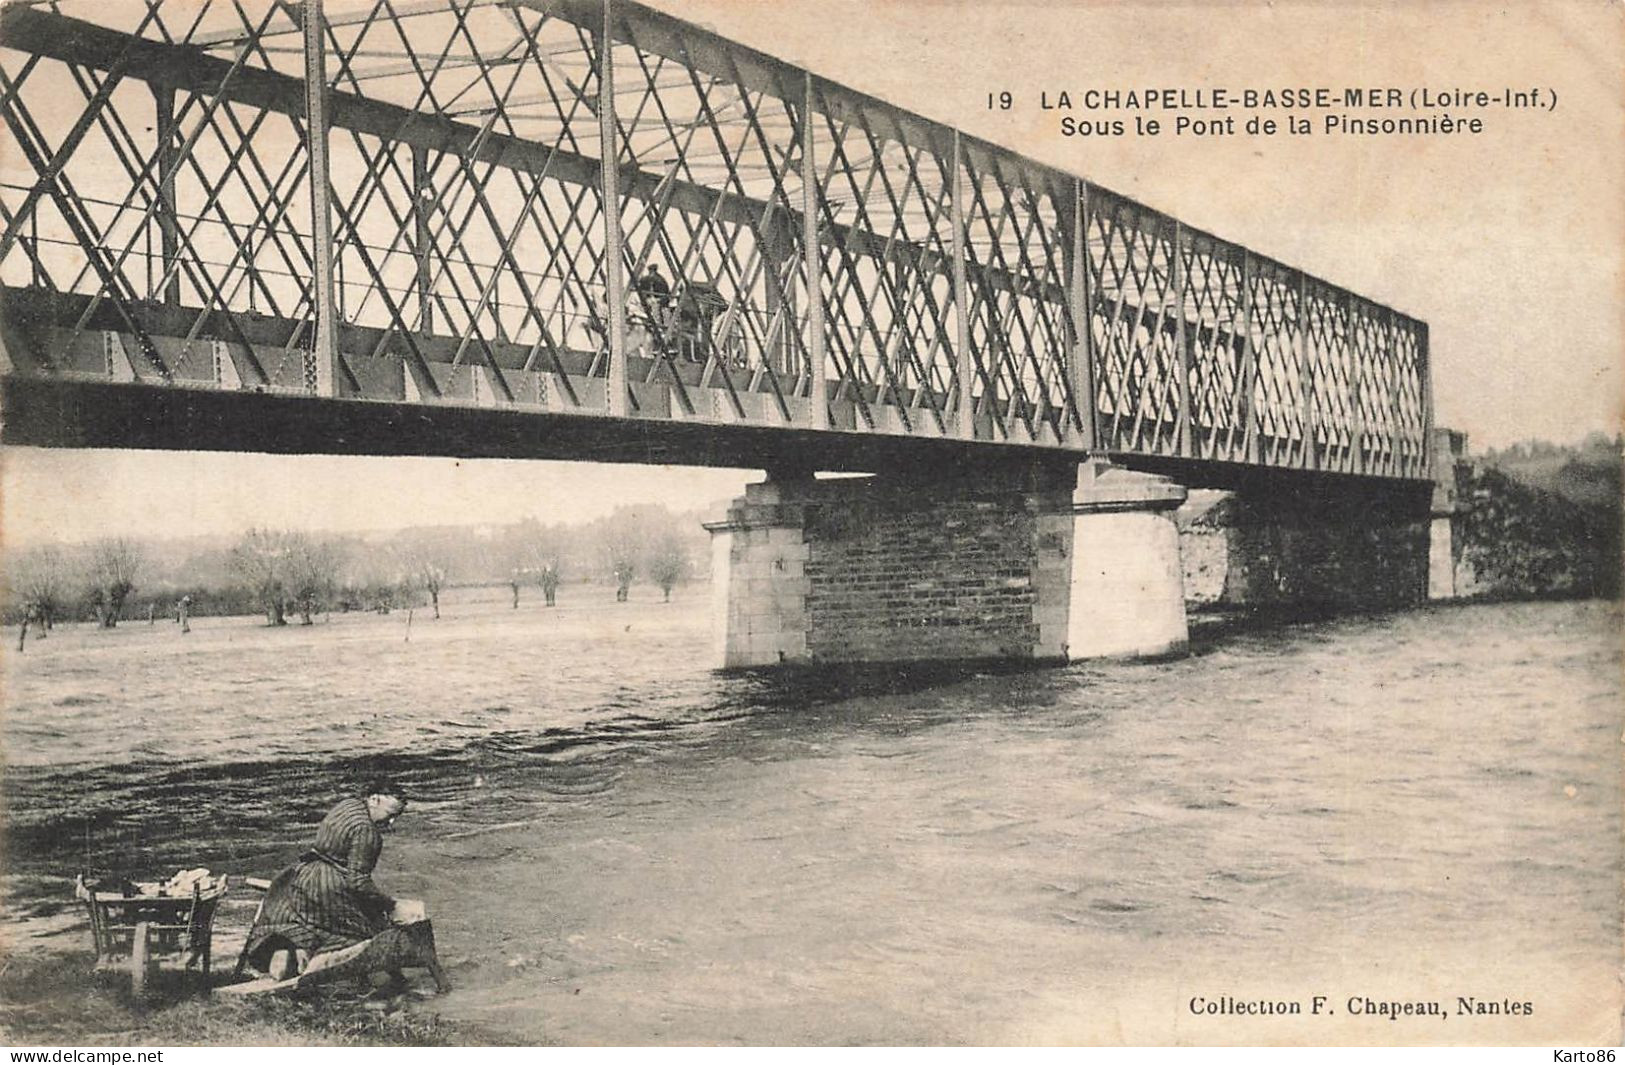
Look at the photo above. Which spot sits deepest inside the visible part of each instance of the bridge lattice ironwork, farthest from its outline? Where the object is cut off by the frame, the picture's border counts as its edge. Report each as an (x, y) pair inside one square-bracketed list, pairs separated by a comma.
[(405, 200)]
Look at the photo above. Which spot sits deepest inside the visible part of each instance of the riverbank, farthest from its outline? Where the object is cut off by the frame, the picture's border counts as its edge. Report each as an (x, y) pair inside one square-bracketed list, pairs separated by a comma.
[(50, 998)]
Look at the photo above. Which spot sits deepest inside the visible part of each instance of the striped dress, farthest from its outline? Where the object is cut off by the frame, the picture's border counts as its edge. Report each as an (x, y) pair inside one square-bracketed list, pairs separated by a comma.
[(327, 900)]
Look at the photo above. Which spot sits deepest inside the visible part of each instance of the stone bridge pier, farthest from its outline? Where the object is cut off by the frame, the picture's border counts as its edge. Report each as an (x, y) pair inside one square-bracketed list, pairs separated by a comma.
[(1323, 545), (1048, 562), (1310, 550), (1039, 563), (1450, 465)]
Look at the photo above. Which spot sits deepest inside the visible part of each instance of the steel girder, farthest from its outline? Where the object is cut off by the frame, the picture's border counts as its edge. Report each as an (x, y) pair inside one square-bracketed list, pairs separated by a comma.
[(428, 224)]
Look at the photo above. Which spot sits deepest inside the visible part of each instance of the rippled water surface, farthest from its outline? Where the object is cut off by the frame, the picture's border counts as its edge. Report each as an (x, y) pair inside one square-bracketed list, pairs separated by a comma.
[(621, 846)]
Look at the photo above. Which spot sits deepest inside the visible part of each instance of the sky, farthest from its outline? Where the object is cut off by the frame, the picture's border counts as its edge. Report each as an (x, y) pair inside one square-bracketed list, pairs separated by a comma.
[(1509, 243), (168, 493)]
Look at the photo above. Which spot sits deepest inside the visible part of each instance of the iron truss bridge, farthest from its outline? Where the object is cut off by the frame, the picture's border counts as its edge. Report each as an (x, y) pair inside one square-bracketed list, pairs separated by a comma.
[(222, 216)]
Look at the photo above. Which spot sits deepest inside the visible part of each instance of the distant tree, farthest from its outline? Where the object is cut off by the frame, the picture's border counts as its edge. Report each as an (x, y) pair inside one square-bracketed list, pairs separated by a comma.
[(281, 569), (1598, 442), (384, 593), (421, 567), (40, 580), (433, 578), (428, 556), (624, 569), (379, 580), (312, 573), (516, 552), (668, 561), (624, 540), (114, 566), (262, 561), (533, 556), (548, 578)]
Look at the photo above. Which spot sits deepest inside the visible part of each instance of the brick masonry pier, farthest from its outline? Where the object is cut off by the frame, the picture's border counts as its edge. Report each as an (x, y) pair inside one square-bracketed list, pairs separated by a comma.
[(1308, 551), (1049, 563), (1039, 564)]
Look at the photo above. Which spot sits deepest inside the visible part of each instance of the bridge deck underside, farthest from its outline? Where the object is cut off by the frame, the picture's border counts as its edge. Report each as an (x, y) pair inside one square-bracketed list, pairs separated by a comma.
[(60, 412), (833, 264)]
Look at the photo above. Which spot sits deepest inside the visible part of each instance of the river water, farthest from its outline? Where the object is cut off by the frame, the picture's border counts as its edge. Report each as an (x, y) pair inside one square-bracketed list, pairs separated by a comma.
[(620, 846)]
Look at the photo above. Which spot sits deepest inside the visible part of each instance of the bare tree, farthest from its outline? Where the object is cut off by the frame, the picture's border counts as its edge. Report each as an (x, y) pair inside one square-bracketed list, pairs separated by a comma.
[(312, 576), (41, 582), (114, 566), (624, 569), (643, 541), (533, 554), (668, 561), (282, 569), (622, 545), (424, 557), (262, 561), (517, 554), (433, 578), (391, 577), (548, 578)]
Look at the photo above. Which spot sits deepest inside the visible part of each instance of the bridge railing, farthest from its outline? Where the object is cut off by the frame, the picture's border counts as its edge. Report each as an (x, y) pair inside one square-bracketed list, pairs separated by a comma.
[(431, 227)]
